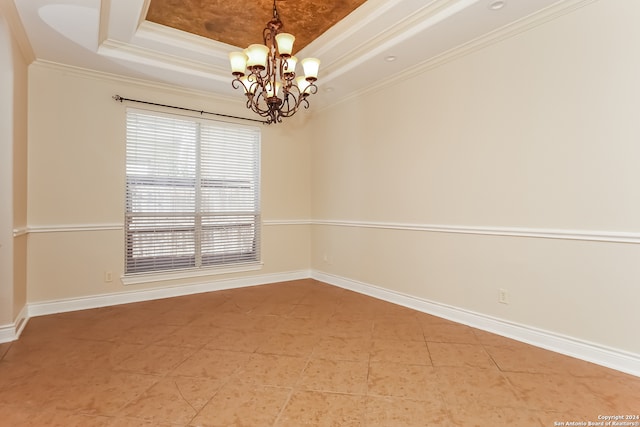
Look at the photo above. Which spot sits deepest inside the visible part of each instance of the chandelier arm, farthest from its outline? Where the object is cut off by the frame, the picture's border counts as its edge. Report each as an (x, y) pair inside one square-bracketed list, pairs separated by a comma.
[(312, 89), (286, 109), (255, 104), (272, 90), (293, 104), (236, 83), (250, 102)]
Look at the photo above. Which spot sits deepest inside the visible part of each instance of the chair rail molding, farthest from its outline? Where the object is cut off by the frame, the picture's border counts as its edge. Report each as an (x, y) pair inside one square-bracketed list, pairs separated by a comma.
[(540, 233)]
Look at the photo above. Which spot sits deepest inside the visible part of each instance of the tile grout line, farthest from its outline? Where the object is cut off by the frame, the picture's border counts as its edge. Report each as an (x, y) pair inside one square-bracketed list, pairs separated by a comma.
[(294, 387)]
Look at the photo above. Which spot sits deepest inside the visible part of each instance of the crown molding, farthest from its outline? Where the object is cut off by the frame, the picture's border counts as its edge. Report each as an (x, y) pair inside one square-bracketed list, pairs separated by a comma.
[(103, 26), (556, 10), (348, 27), (512, 29), (423, 18), (128, 52), (119, 78), (152, 32)]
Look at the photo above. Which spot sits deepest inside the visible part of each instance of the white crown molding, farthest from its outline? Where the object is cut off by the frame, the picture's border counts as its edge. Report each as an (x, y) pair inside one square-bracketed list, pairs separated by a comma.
[(602, 355), (512, 29), (132, 53), (540, 233), (161, 34), (120, 19), (425, 17), (556, 10), (103, 25), (118, 78), (348, 27)]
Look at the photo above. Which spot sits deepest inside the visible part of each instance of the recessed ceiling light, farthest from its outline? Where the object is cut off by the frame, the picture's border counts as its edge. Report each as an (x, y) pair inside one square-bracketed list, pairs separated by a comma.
[(390, 58), (328, 89), (497, 4)]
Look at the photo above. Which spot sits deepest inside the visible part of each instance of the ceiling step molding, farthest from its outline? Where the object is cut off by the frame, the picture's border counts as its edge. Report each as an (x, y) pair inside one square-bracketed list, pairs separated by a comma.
[(426, 17), (129, 52), (512, 29)]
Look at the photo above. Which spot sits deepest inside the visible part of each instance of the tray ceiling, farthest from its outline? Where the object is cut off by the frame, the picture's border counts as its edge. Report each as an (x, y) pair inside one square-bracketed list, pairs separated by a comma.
[(240, 22), (375, 42)]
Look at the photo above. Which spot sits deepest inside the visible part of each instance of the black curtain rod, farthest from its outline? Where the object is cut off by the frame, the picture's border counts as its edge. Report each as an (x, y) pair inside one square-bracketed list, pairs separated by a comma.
[(121, 99)]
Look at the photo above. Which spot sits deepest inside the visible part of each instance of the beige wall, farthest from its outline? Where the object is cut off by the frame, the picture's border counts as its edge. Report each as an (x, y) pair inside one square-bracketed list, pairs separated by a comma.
[(6, 178), (76, 184), (13, 166), (540, 132), (20, 183), (537, 132)]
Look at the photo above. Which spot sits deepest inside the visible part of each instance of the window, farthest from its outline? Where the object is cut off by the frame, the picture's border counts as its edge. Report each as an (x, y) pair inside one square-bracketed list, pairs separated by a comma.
[(192, 193)]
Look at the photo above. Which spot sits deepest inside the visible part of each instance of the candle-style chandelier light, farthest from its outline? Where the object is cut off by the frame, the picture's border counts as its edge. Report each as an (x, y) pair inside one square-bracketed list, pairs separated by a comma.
[(267, 74)]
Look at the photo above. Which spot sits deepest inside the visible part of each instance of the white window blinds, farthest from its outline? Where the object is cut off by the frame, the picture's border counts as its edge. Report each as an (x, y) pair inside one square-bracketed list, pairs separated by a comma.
[(192, 193)]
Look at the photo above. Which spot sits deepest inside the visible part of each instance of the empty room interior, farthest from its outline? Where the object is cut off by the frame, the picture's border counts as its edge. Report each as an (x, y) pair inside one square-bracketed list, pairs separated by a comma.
[(440, 226)]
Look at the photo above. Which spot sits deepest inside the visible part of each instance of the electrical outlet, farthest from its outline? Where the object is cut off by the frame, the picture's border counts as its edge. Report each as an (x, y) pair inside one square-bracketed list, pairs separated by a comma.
[(503, 296), (108, 276)]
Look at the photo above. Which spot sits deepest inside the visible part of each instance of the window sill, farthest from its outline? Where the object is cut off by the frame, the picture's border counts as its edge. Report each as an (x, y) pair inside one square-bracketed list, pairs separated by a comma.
[(140, 278)]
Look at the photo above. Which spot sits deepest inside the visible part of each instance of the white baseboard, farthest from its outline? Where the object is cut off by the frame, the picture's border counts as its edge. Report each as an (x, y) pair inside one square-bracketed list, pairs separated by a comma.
[(96, 301), (591, 352), (7, 333), (12, 331), (609, 357)]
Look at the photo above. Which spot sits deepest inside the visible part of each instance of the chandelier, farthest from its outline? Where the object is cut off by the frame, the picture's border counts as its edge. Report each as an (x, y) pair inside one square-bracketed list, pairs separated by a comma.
[(267, 74)]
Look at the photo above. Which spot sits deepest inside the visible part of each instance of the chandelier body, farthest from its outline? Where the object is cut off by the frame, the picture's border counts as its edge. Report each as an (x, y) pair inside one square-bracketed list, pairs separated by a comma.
[(267, 74)]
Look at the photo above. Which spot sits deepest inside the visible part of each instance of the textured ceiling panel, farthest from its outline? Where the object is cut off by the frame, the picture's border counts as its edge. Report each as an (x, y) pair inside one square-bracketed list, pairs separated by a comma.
[(240, 22)]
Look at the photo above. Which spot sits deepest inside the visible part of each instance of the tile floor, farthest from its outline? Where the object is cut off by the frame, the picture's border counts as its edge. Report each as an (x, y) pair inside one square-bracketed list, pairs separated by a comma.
[(290, 354)]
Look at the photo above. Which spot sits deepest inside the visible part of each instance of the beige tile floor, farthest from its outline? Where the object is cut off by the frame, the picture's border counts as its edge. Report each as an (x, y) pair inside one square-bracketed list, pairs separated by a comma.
[(291, 354)]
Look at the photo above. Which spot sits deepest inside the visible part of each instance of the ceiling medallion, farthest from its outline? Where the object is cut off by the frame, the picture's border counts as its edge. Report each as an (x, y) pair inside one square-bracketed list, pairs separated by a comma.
[(271, 86)]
